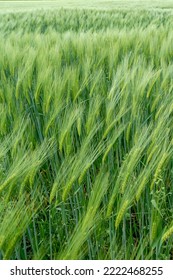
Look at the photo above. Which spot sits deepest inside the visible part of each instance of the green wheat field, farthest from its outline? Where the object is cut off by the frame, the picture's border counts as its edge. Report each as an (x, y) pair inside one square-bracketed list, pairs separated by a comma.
[(86, 130)]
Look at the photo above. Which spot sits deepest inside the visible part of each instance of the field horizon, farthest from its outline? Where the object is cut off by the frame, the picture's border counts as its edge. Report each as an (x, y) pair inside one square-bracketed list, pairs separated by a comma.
[(97, 4)]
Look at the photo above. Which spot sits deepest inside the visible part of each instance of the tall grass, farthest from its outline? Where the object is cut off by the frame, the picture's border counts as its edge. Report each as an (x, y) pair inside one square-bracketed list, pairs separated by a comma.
[(86, 134)]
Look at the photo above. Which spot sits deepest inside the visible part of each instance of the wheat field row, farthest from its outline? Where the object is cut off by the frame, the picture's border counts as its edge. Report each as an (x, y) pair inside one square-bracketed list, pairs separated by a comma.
[(86, 134)]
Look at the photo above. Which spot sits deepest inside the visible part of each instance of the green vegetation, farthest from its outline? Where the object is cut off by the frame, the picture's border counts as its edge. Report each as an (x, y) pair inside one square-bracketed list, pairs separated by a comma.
[(86, 134)]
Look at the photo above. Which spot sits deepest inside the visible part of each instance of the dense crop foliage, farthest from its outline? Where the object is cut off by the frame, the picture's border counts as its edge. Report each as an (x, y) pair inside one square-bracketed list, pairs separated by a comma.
[(86, 134)]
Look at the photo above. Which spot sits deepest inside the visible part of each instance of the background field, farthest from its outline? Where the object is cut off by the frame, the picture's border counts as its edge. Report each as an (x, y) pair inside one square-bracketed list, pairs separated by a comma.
[(86, 130), (96, 4)]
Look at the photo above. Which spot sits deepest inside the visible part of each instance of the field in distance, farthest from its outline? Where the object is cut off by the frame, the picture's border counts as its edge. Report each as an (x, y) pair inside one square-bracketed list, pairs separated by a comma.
[(98, 4)]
